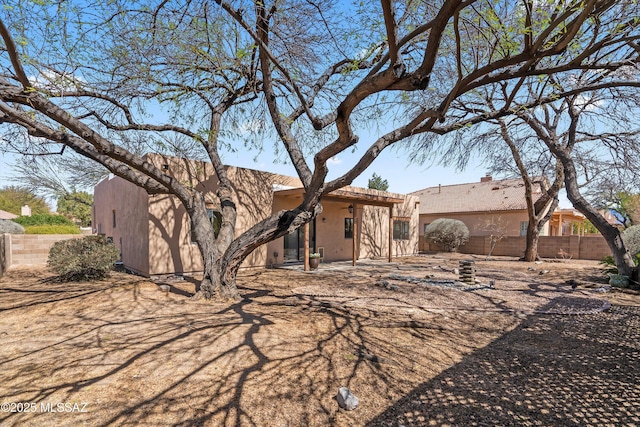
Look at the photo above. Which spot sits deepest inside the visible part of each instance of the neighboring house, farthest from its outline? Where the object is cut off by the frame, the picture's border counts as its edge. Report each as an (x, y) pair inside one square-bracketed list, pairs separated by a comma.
[(7, 215), (486, 207), (153, 231), (567, 222)]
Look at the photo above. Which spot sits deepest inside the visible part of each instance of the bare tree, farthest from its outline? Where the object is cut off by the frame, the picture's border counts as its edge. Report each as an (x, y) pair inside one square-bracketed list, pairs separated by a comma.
[(458, 48), (318, 76), (593, 136)]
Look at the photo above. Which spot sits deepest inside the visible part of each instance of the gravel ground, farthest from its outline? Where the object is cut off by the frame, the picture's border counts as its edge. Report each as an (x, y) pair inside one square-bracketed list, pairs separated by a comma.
[(532, 350)]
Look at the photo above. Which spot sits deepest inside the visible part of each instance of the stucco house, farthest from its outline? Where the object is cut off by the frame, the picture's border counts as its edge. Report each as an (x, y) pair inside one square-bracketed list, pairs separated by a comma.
[(489, 206), (153, 231), (482, 206)]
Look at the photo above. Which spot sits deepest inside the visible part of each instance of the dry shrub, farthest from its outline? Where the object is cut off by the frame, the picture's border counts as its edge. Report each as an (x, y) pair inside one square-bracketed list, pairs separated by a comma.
[(91, 257)]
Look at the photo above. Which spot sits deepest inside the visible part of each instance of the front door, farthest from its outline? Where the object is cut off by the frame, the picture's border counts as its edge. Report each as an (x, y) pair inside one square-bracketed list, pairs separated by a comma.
[(294, 243)]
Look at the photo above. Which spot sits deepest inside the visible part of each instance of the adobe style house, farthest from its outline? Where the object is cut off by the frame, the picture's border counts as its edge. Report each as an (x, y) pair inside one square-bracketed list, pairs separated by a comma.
[(153, 231)]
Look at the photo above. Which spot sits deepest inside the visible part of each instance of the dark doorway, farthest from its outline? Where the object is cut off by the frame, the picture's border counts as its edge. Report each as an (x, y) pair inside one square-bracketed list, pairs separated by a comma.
[(294, 243)]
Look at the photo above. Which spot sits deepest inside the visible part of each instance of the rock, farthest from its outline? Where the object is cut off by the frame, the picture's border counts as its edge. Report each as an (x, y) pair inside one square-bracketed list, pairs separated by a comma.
[(456, 271), (543, 272), (346, 399), (531, 269)]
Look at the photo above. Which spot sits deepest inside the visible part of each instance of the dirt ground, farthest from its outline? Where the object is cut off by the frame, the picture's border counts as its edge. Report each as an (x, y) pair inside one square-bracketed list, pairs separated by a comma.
[(416, 348)]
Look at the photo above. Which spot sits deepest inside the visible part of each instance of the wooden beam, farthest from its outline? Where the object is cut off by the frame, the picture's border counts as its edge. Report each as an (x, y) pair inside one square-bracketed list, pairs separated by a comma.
[(390, 233), (306, 247), (355, 234)]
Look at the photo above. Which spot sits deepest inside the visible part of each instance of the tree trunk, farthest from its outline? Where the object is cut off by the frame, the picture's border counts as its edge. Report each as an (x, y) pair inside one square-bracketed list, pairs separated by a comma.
[(265, 231), (541, 210), (212, 286), (531, 250), (536, 223), (621, 255)]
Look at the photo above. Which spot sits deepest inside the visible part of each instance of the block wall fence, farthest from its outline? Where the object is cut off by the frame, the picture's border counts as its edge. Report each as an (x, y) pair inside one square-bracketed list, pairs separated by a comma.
[(28, 249), (562, 247)]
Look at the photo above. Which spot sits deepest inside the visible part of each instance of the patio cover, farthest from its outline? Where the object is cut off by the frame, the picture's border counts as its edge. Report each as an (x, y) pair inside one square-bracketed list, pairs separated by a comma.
[(355, 196)]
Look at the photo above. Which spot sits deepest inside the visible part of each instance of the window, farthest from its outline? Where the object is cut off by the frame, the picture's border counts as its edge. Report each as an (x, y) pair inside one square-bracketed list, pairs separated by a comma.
[(215, 217), (400, 230), (348, 228), (113, 212), (524, 225)]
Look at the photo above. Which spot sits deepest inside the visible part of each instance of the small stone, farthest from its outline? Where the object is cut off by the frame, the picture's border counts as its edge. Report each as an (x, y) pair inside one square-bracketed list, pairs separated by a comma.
[(531, 269), (456, 271), (543, 272), (346, 399)]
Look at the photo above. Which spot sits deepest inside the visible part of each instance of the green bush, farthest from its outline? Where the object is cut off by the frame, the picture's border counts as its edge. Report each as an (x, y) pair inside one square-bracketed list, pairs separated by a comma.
[(609, 264), (631, 239), (450, 233), (52, 229), (10, 227), (43, 219), (91, 257)]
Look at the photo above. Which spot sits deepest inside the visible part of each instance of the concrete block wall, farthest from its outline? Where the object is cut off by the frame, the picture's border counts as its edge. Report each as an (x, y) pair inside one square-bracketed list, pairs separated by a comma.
[(561, 247), (31, 249)]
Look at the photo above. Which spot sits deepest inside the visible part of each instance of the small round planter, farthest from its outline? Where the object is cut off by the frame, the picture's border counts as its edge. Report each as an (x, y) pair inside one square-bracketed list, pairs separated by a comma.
[(314, 263)]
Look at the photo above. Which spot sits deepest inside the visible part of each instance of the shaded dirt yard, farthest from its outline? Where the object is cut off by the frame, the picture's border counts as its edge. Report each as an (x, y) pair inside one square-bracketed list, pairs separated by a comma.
[(532, 351)]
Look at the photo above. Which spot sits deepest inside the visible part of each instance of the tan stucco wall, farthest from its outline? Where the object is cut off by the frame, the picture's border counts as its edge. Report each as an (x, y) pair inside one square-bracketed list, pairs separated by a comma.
[(131, 234), (170, 247)]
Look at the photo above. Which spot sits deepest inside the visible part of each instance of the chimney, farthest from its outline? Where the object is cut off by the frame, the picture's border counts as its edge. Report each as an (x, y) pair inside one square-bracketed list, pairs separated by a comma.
[(439, 188), (486, 178)]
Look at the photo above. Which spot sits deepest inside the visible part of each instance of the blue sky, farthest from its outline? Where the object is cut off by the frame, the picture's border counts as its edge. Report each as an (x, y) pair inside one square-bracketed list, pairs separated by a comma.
[(392, 165), (403, 177)]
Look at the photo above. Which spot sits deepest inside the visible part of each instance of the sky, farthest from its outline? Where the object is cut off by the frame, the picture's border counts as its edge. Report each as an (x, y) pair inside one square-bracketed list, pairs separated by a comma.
[(403, 177), (395, 166)]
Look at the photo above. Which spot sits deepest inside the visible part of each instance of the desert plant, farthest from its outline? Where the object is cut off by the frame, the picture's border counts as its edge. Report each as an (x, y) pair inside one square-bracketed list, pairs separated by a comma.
[(609, 264), (631, 239), (91, 257), (450, 233), (314, 255), (10, 227), (43, 219), (52, 229)]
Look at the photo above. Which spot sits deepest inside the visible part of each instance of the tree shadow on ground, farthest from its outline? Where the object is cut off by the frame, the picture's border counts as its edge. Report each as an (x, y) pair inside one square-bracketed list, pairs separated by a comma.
[(538, 374), (139, 356)]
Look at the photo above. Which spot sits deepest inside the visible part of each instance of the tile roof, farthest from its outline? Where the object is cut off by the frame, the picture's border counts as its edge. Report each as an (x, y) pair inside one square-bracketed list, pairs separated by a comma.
[(7, 215), (487, 196)]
